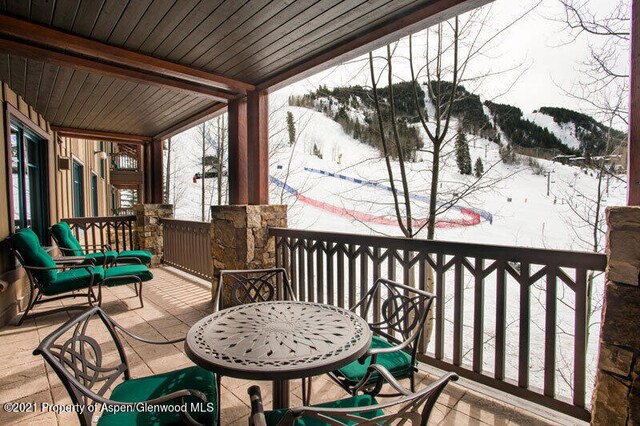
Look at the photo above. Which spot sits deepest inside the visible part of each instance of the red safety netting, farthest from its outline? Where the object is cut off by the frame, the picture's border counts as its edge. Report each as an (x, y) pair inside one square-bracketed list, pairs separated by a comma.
[(470, 218)]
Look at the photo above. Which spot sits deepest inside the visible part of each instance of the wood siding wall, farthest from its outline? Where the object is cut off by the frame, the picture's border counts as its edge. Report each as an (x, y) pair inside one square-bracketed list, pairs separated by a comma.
[(59, 188)]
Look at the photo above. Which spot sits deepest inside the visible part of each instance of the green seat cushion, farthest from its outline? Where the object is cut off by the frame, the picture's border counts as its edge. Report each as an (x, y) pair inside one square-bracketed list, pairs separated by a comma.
[(98, 257), (143, 255), (73, 279), (65, 239), (26, 242), (273, 417), (146, 388), (126, 271), (398, 363)]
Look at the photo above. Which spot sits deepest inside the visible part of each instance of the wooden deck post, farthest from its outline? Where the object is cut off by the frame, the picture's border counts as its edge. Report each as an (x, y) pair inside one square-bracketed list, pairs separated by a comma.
[(153, 172), (258, 146), (633, 160), (238, 187)]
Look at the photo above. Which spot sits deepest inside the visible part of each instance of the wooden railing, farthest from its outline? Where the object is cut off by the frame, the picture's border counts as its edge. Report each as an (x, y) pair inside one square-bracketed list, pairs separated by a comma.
[(94, 232), (123, 211), (123, 162), (187, 246), (512, 318)]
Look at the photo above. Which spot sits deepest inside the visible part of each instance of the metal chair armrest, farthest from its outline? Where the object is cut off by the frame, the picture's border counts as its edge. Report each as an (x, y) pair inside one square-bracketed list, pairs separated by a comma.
[(383, 373), (145, 340), (129, 260), (58, 267), (257, 417)]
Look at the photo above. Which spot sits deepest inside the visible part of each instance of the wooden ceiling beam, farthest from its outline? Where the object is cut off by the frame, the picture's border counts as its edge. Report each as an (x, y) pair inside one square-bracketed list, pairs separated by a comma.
[(199, 117), (21, 48), (97, 135), (77, 45), (421, 17)]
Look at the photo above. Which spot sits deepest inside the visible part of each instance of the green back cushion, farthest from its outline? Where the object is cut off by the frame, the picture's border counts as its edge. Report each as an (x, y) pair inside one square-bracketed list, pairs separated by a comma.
[(63, 235), (26, 242)]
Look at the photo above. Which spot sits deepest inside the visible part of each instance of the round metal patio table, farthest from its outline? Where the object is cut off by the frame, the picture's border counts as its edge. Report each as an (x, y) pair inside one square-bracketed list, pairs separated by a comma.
[(277, 341)]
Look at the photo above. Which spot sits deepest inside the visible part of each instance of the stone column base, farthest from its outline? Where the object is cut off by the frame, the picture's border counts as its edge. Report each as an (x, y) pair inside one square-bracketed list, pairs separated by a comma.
[(616, 397), (148, 230), (240, 237)]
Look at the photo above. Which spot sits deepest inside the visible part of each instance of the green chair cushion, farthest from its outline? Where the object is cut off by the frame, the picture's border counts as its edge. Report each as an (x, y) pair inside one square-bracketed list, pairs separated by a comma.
[(143, 255), (125, 272), (65, 239), (398, 363), (273, 417), (26, 242), (98, 257), (146, 388), (73, 279)]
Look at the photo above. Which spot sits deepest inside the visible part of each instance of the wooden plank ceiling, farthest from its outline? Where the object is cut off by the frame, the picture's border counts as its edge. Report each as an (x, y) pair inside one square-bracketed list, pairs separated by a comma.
[(259, 42)]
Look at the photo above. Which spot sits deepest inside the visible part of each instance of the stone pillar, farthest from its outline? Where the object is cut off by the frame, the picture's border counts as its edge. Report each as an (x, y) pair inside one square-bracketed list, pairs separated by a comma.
[(148, 229), (240, 237), (616, 398)]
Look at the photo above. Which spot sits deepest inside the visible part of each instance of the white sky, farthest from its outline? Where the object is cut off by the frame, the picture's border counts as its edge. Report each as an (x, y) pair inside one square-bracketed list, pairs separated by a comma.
[(551, 60)]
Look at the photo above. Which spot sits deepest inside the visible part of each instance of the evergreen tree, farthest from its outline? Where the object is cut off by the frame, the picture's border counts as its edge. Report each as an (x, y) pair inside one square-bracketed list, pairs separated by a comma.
[(291, 127), (478, 168), (463, 158)]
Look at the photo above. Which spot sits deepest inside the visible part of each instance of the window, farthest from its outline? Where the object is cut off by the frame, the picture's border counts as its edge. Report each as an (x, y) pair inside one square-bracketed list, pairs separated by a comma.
[(94, 193), (29, 179), (78, 189)]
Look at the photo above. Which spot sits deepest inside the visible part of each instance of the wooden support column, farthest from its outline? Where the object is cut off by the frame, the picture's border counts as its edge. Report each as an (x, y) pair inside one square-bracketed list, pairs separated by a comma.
[(153, 172), (633, 159), (258, 146), (238, 187)]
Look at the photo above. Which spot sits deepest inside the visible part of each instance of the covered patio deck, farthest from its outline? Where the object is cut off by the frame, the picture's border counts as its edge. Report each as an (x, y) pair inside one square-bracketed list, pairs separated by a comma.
[(173, 302)]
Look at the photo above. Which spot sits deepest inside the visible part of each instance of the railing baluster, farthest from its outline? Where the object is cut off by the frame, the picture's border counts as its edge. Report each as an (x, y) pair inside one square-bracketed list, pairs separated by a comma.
[(458, 299), (422, 285), (580, 343), (311, 287), (340, 255), (320, 271), (550, 333), (501, 320), (377, 269), (364, 276), (302, 295), (391, 265), (330, 281), (439, 322), (352, 275), (478, 315), (294, 268), (524, 351)]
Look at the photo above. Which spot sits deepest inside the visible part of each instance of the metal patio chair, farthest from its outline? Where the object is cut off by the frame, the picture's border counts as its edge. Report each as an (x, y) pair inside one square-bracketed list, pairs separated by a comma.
[(88, 356), (70, 246), (396, 327), (251, 286), (411, 408)]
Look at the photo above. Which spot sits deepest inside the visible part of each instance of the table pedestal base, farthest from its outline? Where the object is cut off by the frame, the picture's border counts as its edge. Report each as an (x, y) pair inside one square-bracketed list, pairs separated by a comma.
[(280, 394)]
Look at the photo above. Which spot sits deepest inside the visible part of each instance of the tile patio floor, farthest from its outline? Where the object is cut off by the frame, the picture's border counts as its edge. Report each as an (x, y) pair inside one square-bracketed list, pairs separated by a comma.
[(173, 303)]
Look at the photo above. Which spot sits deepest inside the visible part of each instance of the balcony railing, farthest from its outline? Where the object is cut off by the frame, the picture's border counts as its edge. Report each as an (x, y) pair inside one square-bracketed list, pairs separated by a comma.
[(515, 319), (123, 162), (187, 246), (94, 232)]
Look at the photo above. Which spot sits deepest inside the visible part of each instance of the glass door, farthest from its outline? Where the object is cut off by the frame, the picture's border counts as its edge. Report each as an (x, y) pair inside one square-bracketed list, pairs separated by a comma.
[(29, 177), (77, 183), (94, 193)]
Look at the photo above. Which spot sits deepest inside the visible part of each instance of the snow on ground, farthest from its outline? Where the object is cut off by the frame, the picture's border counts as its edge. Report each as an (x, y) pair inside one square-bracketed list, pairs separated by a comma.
[(566, 132), (523, 215)]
